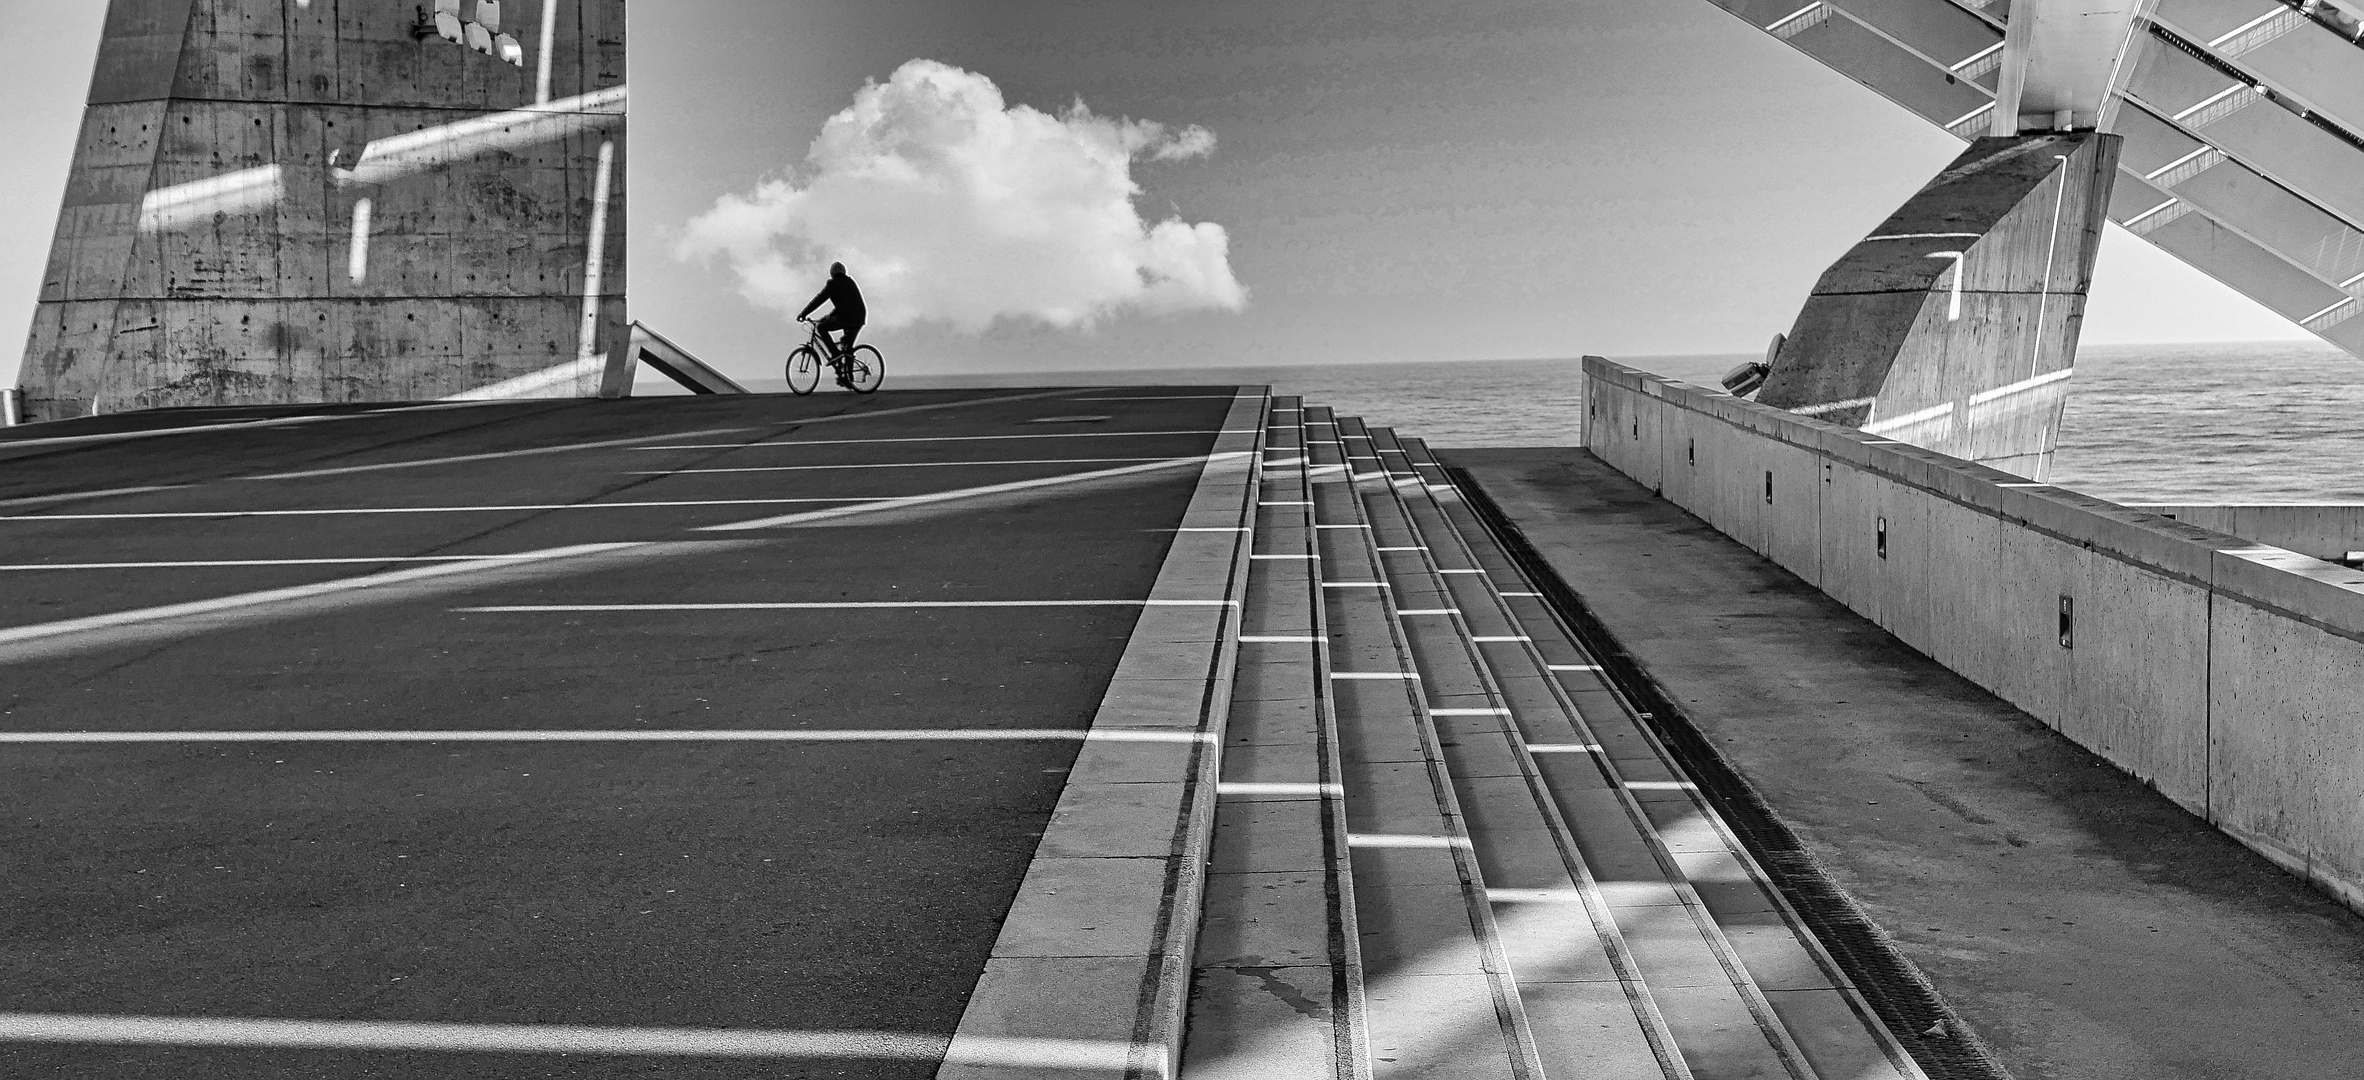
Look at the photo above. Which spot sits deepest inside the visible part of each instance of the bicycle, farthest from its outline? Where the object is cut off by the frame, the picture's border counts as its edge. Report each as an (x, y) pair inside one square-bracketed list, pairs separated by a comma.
[(863, 370)]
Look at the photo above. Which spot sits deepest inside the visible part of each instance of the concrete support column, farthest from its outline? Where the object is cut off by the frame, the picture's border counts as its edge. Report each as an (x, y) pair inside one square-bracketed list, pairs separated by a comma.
[(1954, 325)]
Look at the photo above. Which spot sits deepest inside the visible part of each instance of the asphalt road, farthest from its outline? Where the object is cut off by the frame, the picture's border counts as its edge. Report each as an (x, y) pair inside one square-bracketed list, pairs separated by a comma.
[(782, 886)]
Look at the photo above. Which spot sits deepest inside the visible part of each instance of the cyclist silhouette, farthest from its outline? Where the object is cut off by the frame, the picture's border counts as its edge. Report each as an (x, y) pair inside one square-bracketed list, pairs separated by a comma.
[(846, 313)]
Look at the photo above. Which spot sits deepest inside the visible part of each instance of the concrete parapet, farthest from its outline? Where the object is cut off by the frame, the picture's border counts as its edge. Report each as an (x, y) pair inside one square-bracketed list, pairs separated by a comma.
[(2222, 671), (2327, 531)]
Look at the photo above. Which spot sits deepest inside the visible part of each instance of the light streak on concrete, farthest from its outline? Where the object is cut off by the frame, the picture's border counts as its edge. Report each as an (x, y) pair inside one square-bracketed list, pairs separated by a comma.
[(542, 63), (357, 256), (890, 465), (595, 264), (196, 202)]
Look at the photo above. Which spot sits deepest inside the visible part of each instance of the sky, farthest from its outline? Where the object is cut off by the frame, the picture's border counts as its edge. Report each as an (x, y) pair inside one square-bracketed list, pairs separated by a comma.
[(1041, 185)]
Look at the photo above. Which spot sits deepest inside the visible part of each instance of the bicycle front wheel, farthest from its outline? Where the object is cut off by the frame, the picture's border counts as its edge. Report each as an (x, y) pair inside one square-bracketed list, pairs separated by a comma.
[(804, 370), (866, 369)]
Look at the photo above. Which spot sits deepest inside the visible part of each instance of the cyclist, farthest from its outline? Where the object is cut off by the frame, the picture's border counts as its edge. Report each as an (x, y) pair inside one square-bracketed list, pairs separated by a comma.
[(845, 313)]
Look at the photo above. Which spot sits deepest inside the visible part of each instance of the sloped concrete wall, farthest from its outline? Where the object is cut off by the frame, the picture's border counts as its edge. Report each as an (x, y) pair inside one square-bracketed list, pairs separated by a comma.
[(242, 226), (2326, 531), (2227, 674)]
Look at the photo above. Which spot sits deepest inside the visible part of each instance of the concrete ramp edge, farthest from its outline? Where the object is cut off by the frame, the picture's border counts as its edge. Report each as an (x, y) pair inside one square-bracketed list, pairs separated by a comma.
[(1090, 976)]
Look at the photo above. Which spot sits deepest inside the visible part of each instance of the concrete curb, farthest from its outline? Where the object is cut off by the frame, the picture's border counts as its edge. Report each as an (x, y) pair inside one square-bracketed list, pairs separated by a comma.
[(1094, 958)]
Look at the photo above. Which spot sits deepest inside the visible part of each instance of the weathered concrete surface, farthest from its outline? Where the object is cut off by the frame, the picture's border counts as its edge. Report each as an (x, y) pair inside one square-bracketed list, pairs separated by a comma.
[(2085, 926), (2135, 635), (2327, 531), (1960, 364), (768, 885), (231, 152)]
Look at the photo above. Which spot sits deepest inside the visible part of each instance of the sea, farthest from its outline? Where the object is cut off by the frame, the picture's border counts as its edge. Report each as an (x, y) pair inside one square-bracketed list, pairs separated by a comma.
[(2274, 422)]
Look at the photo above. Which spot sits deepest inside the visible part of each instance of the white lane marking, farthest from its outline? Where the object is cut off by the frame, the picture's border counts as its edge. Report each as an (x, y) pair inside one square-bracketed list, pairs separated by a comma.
[(118, 436), (425, 509), (1174, 397), (1404, 840), (953, 438), (258, 562), (975, 492), (1272, 638), (1430, 611), (1500, 637), (1562, 748), (1469, 712), (1022, 1053), (1573, 667), (69, 496), (455, 459), (888, 465), (790, 735), (1244, 788), (848, 605), (605, 443), (1399, 676), (20, 634)]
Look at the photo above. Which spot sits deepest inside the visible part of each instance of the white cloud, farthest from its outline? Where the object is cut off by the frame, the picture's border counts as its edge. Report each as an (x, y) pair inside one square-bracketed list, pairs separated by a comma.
[(947, 204)]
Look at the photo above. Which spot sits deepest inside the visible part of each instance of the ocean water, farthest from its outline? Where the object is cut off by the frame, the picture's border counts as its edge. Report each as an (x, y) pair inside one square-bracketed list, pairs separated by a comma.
[(2256, 423)]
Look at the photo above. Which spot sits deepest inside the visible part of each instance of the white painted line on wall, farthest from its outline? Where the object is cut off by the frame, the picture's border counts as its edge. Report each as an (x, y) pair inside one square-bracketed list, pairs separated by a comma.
[(888, 465), (1015, 1053), (849, 605)]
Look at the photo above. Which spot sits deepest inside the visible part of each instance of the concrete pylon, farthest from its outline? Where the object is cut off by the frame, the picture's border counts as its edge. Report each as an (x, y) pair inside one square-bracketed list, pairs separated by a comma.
[(1953, 326), (279, 201)]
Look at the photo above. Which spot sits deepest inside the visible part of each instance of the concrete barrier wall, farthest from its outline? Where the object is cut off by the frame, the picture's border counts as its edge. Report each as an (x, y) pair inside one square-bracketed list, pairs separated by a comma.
[(2323, 530), (2226, 673)]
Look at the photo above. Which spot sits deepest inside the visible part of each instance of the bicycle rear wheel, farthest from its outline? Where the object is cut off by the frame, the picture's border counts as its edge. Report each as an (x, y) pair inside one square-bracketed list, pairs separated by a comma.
[(804, 370), (866, 368)]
